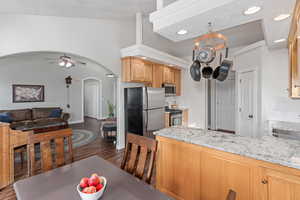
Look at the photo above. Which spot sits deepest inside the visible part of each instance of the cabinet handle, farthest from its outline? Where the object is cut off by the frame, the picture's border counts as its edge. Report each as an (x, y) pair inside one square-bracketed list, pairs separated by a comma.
[(264, 181)]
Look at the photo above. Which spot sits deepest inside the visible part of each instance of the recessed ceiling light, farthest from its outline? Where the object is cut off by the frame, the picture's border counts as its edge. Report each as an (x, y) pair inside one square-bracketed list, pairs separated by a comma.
[(171, 65), (280, 40), (144, 57), (281, 17), (182, 32), (110, 75), (252, 10)]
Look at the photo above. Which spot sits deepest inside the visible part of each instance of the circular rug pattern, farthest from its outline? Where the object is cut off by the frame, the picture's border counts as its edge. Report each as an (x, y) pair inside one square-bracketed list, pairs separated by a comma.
[(82, 137)]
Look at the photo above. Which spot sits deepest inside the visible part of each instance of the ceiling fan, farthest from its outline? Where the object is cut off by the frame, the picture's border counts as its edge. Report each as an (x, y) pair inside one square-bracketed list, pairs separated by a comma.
[(66, 61)]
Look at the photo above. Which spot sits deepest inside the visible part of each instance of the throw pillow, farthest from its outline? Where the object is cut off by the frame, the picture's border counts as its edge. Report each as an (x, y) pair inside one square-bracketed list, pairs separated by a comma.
[(56, 113), (5, 117)]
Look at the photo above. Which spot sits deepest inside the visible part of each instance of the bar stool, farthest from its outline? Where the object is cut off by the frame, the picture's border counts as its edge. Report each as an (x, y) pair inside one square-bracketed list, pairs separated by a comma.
[(110, 132)]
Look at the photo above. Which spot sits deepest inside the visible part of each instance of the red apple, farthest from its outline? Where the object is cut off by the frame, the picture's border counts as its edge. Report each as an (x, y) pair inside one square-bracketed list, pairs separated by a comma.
[(89, 190), (84, 182), (99, 187), (94, 181)]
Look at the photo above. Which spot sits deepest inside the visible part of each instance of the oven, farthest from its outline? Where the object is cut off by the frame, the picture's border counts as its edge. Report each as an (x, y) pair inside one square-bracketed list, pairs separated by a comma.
[(175, 117), (170, 90)]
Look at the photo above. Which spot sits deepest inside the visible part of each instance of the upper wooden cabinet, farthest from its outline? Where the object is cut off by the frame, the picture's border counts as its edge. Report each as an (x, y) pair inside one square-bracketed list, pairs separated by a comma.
[(294, 54), (136, 70), (169, 75), (158, 75), (177, 81)]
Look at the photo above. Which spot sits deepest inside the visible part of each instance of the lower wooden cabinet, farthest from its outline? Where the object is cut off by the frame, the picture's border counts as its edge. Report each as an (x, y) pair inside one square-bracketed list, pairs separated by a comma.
[(219, 175), (279, 186), (191, 172), (175, 170)]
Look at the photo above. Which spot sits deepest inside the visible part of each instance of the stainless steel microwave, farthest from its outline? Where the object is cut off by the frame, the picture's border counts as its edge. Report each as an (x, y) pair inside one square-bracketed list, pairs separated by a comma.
[(170, 90)]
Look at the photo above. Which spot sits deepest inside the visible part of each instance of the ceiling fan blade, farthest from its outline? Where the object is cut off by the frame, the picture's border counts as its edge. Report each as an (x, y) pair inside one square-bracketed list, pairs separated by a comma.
[(80, 62)]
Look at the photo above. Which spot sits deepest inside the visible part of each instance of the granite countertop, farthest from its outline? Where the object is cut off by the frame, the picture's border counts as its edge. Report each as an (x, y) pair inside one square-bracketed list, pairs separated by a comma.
[(268, 148)]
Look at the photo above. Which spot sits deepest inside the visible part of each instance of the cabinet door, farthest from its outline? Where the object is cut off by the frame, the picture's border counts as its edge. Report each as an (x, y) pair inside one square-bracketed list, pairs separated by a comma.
[(126, 69), (178, 170), (177, 80), (137, 70), (169, 75), (218, 176), (148, 72), (279, 186), (158, 76)]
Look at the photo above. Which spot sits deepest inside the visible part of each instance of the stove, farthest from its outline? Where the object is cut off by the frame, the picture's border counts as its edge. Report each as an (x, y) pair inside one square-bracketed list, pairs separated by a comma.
[(175, 116)]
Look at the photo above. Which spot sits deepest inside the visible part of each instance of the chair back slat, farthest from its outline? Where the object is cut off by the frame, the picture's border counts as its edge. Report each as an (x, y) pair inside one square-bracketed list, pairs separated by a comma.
[(59, 152), (132, 158), (231, 195), (136, 156), (48, 160), (46, 156), (141, 162)]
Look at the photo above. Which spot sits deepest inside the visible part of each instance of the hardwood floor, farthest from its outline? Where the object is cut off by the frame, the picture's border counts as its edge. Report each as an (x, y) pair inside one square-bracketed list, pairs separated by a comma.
[(98, 147)]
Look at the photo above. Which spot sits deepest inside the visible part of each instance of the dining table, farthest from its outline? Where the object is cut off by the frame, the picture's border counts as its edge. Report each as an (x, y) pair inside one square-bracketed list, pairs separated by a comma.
[(61, 183)]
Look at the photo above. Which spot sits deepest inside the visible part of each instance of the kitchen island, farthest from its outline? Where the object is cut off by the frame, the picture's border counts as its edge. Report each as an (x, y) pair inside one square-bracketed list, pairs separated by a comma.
[(205, 165)]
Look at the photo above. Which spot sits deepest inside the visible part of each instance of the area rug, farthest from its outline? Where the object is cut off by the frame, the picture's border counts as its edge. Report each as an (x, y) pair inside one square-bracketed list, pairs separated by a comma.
[(82, 137)]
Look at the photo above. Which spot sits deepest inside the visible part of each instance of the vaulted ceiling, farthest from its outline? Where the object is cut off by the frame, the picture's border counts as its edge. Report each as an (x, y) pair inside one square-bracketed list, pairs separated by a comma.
[(110, 9)]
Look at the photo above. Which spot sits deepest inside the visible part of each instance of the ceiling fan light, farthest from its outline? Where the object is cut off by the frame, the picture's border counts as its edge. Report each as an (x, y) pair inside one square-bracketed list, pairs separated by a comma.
[(62, 63), (69, 64)]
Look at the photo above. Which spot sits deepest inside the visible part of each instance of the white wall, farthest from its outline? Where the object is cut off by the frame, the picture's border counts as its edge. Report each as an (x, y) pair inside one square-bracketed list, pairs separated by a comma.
[(31, 70), (276, 104), (96, 39), (273, 96)]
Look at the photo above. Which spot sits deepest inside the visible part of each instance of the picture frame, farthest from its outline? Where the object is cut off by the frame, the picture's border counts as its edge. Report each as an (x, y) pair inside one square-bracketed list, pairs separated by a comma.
[(28, 93)]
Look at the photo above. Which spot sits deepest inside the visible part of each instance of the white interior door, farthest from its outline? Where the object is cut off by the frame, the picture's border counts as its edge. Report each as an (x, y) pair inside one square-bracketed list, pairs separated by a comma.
[(90, 100), (225, 104), (246, 103)]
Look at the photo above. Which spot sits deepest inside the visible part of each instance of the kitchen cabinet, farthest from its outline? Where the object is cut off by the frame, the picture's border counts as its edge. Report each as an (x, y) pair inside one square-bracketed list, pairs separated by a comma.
[(178, 173), (219, 175), (136, 70), (185, 117), (177, 81), (294, 54), (187, 171), (279, 186), (167, 119), (169, 75), (158, 71)]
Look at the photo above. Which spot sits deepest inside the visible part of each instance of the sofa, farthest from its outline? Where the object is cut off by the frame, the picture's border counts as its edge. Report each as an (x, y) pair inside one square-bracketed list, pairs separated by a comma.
[(37, 120)]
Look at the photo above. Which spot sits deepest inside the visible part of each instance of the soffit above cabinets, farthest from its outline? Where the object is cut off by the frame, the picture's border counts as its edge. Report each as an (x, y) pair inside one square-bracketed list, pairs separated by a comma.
[(148, 53), (194, 15)]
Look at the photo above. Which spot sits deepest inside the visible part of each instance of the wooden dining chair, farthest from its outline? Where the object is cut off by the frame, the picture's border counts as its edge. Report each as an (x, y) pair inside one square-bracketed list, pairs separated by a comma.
[(52, 149), (231, 195), (139, 156)]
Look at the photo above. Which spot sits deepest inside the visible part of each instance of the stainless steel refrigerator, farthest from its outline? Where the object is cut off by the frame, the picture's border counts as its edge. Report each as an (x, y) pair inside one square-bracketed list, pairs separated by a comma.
[(144, 110)]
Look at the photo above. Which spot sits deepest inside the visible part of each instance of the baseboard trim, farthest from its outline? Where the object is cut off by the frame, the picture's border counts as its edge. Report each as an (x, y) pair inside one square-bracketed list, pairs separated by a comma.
[(76, 122)]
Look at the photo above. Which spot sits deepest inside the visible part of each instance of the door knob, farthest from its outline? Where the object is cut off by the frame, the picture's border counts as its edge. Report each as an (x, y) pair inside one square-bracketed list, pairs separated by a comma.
[(264, 181), (250, 116)]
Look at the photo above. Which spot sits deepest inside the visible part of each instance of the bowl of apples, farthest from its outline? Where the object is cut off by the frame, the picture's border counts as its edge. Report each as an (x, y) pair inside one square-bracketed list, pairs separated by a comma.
[(91, 188)]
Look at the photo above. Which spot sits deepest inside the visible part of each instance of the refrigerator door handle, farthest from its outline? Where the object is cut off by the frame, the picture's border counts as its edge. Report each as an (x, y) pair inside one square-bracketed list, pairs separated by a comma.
[(145, 121)]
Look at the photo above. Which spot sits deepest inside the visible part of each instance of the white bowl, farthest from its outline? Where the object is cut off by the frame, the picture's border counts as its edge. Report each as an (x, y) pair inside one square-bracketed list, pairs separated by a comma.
[(94, 196)]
